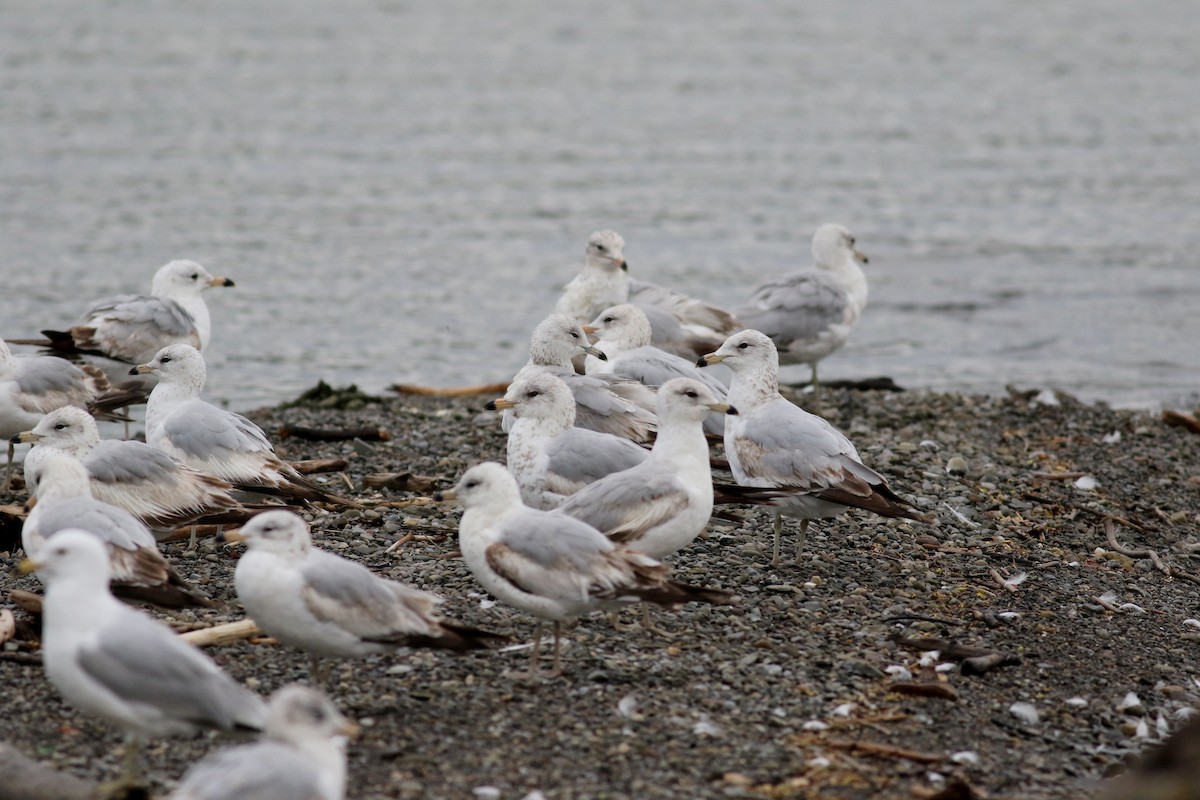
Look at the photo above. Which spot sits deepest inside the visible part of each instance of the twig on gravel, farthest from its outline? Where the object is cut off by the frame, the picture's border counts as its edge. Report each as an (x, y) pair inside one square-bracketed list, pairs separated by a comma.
[(315, 465), (400, 481), (1002, 582), (226, 633), (327, 435), (1057, 476), (1110, 533), (1179, 420), (461, 391), (403, 540), (919, 618), (943, 691), (887, 751)]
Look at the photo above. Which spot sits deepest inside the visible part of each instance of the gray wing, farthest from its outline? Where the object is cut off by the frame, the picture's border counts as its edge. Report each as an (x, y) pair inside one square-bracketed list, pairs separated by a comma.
[(626, 505), (583, 456), (655, 367), (47, 383), (116, 526), (786, 446), (352, 597), (129, 462), (144, 663), (263, 771), (202, 431), (796, 307), (687, 310), (611, 404), (135, 327)]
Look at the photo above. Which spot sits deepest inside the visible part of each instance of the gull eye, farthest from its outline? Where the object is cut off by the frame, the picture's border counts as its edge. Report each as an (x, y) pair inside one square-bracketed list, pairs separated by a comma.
[(532, 393), (62, 426), (574, 335), (691, 393), (195, 276), (609, 319), (744, 346), (164, 359), (471, 484), (600, 248)]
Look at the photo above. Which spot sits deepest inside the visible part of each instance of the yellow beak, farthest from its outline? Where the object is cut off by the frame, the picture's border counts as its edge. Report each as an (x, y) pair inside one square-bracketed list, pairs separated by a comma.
[(27, 437), (27, 566)]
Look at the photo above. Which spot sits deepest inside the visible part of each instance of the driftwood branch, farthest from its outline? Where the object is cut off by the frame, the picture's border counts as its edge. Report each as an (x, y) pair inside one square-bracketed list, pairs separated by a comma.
[(327, 435), (887, 751), (1178, 420), (1110, 533), (400, 481), (315, 465), (226, 633), (459, 391)]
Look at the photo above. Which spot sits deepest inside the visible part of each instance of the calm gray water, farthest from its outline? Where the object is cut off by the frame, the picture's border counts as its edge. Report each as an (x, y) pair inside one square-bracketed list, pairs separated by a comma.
[(400, 187)]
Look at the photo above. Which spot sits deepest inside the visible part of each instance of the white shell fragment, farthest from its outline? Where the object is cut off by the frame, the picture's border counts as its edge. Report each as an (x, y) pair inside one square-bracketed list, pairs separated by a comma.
[(1025, 712), (1087, 483), (815, 725), (1129, 701), (1112, 438), (1077, 702), (965, 757), (627, 706)]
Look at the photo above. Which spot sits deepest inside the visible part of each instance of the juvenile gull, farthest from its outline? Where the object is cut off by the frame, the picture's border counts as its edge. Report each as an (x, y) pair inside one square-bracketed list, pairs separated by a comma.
[(680, 324), (213, 440), (327, 605), (548, 455), (624, 337), (607, 403), (774, 443), (135, 476), (550, 565), (302, 757), (132, 328), (116, 663), (809, 314), (139, 571)]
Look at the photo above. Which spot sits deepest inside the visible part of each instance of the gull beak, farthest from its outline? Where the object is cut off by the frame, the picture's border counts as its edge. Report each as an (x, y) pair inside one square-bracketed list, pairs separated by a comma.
[(233, 537), (445, 496), (349, 729), (859, 255), (499, 404), (711, 358), (29, 504), (27, 566), (623, 265), (143, 369), (724, 408), (588, 329), (219, 281), (595, 351), (26, 437)]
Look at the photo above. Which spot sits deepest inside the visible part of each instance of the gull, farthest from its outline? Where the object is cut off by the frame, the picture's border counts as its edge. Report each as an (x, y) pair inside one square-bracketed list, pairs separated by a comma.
[(606, 403), (132, 328), (550, 565), (303, 756), (548, 455), (662, 504), (210, 439), (809, 314), (118, 664), (327, 605), (775, 443), (33, 386), (680, 324), (624, 337), (135, 476), (138, 570)]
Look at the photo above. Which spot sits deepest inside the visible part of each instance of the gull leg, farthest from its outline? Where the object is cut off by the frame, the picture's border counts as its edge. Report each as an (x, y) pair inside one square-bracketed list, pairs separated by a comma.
[(557, 649), (816, 387), (778, 533), (192, 538), (800, 541), (532, 672), (648, 624), (8, 471), (614, 618), (317, 675)]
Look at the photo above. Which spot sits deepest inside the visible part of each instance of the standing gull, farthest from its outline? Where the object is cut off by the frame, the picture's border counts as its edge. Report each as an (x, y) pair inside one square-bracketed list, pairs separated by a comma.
[(775, 443), (118, 664), (809, 314), (547, 454), (213, 440), (135, 476), (606, 403), (132, 328), (679, 324), (139, 571), (550, 565), (327, 605), (303, 756), (624, 337)]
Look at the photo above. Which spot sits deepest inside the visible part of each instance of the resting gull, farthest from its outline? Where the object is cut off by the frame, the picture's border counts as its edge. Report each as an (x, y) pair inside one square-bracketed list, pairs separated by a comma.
[(327, 605), (775, 443), (303, 756), (550, 565)]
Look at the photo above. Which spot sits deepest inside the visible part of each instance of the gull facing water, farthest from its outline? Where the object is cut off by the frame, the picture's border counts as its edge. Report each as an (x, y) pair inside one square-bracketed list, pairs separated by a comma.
[(775, 443), (809, 314), (550, 565), (302, 757), (327, 605), (113, 662), (549, 456)]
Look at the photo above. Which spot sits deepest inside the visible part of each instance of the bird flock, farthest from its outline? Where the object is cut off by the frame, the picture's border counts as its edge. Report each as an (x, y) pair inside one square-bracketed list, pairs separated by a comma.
[(609, 470)]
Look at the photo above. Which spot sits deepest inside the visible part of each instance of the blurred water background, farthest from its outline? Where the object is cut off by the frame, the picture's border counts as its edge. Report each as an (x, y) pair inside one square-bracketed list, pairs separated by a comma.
[(399, 188)]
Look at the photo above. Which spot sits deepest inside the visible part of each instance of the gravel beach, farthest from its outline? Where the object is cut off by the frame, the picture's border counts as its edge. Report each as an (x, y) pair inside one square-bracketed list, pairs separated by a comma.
[(1058, 585)]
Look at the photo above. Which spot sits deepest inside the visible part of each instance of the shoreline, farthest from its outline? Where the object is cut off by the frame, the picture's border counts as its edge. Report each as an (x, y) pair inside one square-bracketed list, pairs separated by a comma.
[(767, 699)]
